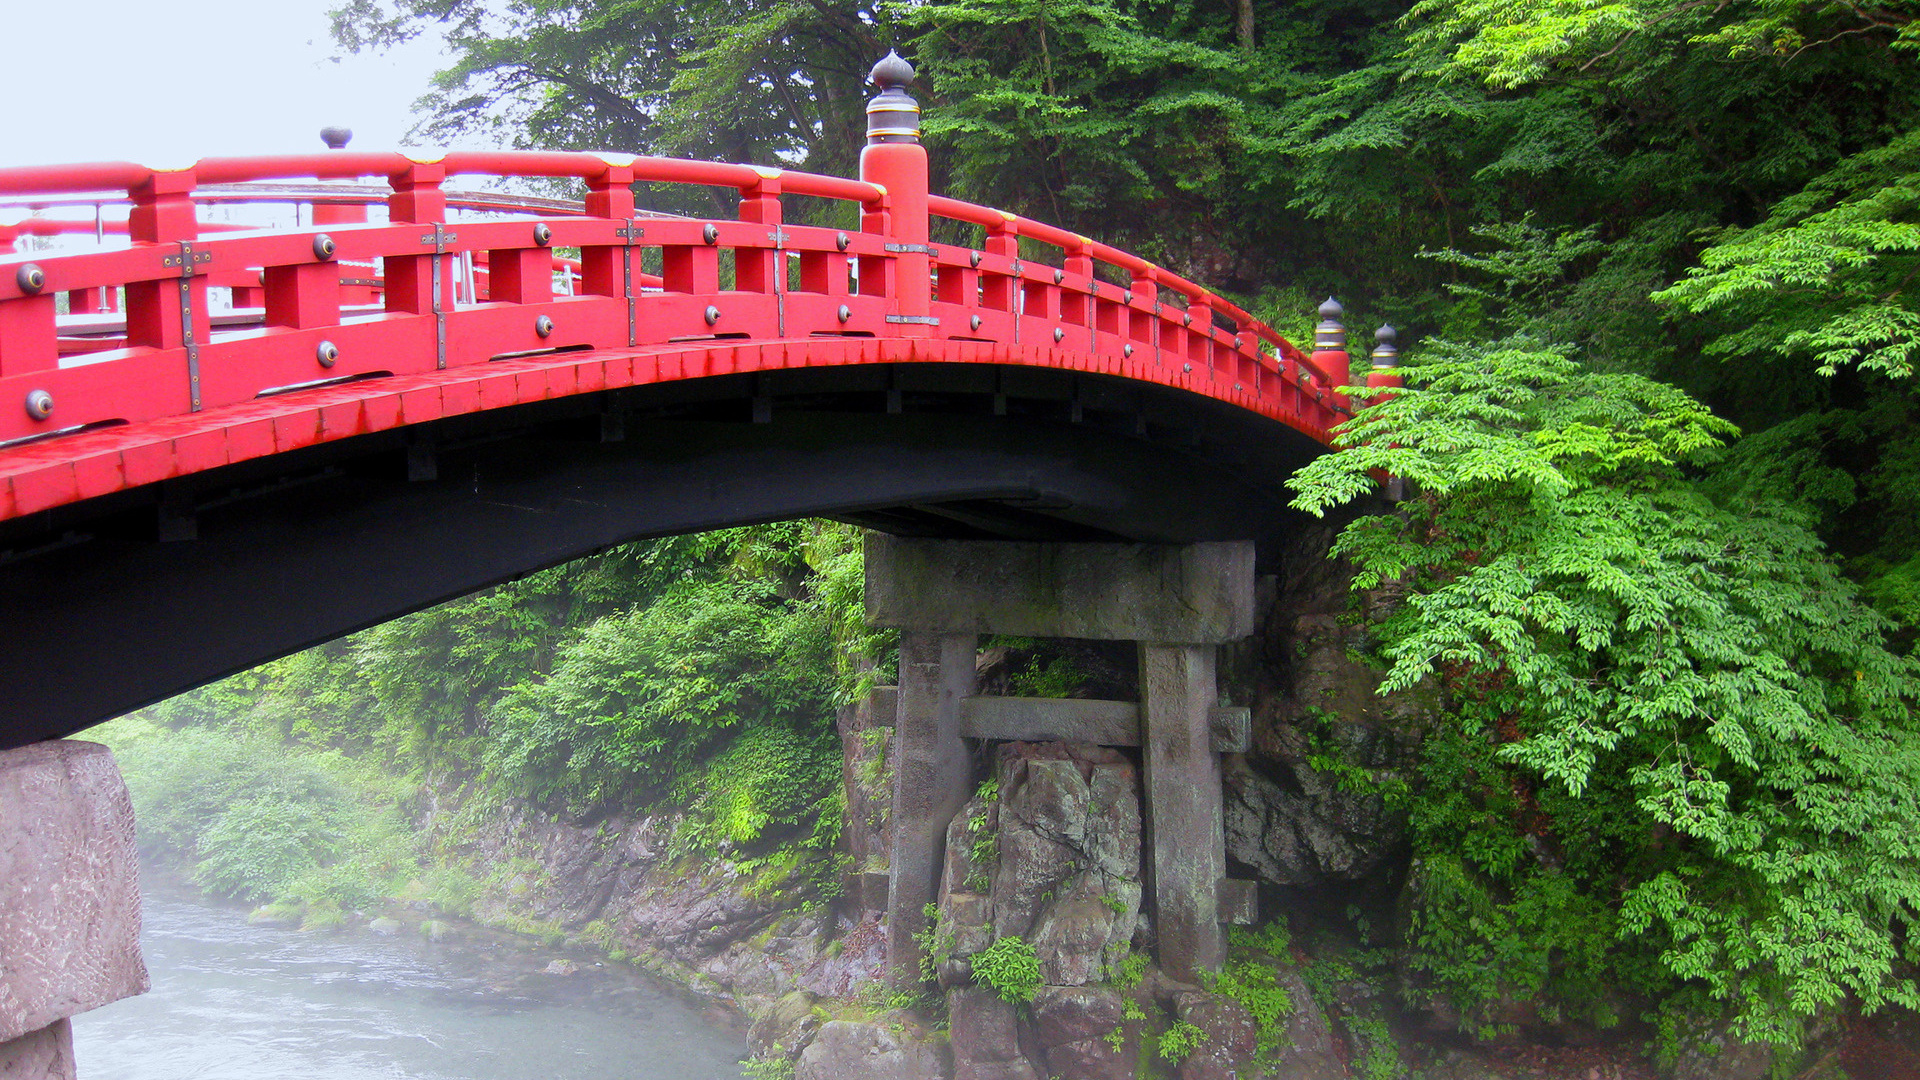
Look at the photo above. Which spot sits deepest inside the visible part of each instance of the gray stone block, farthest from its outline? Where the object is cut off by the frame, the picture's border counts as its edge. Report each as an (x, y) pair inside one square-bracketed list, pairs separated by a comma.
[(1196, 594), (70, 911), (1102, 723), (46, 1054), (1239, 902)]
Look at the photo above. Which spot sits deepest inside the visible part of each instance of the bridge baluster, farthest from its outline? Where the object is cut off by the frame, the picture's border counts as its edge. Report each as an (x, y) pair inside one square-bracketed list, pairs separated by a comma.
[(304, 295), (610, 269), (996, 291), (1142, 326), (1200, 330), (420, 284), (27, 337), (761, 270), (169, 312)]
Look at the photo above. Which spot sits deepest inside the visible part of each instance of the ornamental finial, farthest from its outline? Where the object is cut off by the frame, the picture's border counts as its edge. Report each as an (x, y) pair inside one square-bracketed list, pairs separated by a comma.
[(1386, 349), (892, 115), (1331, 333), (336, 137), (891, 73)]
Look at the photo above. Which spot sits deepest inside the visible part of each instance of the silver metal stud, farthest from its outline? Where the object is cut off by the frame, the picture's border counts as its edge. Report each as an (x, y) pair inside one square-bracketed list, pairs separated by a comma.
[(711, 234), (327, 353), (544, 325), (1188, 368), (1059, 276), (39, 404), (975, 258), (1126, 350), (844, 313), (840, 241), (974, 322), (713, 314), (542, 234), (1058, 334), (323, 247), (30, 278)]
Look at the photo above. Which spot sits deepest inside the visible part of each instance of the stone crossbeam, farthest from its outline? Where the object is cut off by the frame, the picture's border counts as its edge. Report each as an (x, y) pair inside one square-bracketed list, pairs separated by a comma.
[(1103, 723), (1199, 594)]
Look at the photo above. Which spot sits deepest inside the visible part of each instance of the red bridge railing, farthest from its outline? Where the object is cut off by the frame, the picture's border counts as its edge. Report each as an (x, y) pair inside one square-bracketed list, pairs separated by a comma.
[(342, 301)]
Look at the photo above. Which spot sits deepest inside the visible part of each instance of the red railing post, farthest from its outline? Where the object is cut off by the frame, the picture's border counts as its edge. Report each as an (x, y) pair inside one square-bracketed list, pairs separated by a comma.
[(28, 339), (894, 159), (171, 312), (420, 284), (760, 269)]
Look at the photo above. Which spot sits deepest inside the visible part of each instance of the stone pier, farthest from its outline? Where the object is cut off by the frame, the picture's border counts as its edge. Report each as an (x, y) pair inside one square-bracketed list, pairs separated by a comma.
[(69, 901), (1178, 603)]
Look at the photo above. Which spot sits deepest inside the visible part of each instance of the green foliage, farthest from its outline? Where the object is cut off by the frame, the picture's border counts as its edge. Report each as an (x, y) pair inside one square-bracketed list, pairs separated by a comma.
[(1828, 275), (774, 1068), (1626, 641), (253, 822), (765, 777), (1180, 1040), (1010, 967)]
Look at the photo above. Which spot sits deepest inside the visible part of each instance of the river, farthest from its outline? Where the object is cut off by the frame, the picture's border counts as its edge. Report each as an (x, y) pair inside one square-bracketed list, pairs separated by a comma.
[(232, 1001)]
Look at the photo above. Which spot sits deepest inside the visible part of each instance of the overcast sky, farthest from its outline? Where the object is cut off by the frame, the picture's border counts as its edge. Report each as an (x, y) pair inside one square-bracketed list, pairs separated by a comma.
[(164, 82)]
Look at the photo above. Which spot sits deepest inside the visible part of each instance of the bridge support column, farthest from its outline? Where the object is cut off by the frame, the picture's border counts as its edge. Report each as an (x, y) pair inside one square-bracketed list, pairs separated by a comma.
[(1186, 834), (1179, 603), (931, 770), (69, 900)]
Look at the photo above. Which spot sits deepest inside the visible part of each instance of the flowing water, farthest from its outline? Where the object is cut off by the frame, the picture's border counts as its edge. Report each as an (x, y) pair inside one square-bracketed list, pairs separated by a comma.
[(232, 1001)]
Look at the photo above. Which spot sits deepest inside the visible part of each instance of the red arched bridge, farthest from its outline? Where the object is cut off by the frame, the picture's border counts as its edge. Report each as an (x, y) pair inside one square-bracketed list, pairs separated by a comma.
[(219, 444)]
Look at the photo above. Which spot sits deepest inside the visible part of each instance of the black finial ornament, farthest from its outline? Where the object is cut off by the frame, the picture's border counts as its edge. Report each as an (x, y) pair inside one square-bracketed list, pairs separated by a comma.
[(1386, 349), (1331, 333), (892, 115), (336, 137)]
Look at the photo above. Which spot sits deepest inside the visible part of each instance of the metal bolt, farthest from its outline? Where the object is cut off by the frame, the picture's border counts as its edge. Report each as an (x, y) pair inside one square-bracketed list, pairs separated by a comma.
[(542, 234), (841, 241), (1058, 334), (1059, 276), (327, 353), (975, 258), (1187, 319), (711, 234), (30, 278), (39, 404), (1127, 351), (323, 247), (544, 326), (713, 314), (845, 313), (974, 322), (262, 275), (1187, 368)]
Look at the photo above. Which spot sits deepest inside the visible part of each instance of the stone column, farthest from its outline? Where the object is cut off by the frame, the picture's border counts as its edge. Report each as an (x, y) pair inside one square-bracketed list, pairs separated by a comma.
[(1186, 836), (69, 900), (930, 774)]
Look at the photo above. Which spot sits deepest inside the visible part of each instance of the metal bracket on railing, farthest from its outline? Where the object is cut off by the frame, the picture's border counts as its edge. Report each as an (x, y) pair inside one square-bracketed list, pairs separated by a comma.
[(629, 233), (439, 238), (186, 260), (779, 239), (916, 320), (918, 249)]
